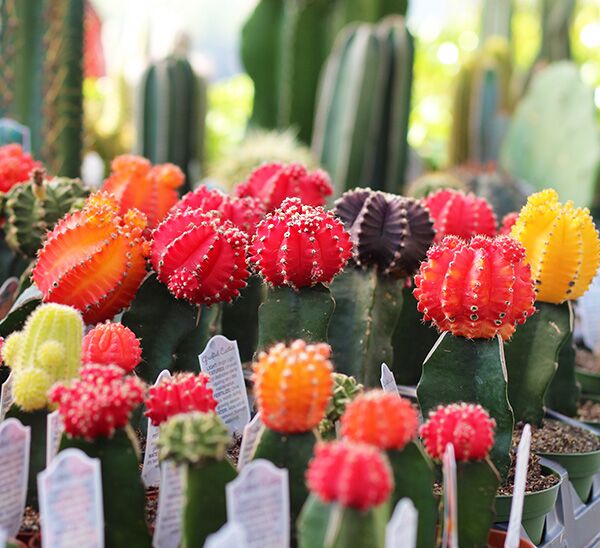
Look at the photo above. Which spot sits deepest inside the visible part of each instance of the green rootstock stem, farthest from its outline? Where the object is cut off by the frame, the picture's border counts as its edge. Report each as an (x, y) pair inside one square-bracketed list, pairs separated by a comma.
[(532, 359), (288, 314), (367, 308), (472, 371)]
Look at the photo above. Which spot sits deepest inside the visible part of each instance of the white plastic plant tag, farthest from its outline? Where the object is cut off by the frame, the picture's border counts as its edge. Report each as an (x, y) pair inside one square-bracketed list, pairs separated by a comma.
[(221, 362), (167, 531), (450, 538), (6, 396), (3, 538), (251, 432), (70, 495), (259, 501), (513, 534), (588, 310), (231, 535), (54, 432), (15, 440), (388, 382), (151, 467), (401, 531)]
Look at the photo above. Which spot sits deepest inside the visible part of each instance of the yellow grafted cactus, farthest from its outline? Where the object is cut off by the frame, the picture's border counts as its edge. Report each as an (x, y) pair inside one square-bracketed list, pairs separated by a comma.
[(47, 350), (561, 244)]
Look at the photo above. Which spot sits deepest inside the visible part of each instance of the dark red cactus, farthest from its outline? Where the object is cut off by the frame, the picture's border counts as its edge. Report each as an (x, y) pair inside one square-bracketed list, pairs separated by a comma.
[(464, 215), (476, 289), (300, 245), (273, 183), (199, 257), (508, 222), (389, 232)]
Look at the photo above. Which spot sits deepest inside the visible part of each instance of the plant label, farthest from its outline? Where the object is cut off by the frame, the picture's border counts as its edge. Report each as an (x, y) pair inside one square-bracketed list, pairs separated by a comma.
[(167, 532), (388, 382), (231, 535), (221, 362), (588, 310), (401, 531), (513, 534), (70, 493), (54, 431), (259, 501), (251, 432), (151, 467), (15, 440), (3, 538), (6, 396), (450, 538)]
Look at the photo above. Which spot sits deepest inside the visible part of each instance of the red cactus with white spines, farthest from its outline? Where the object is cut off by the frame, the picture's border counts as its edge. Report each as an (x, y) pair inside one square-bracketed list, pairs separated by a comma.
[(354, 474), (468, 427), (183, 393), (200, 258), (300, 245), (15, 166), (508, 221), (112, 343), (273, 183), (476, 289), (460, 214)]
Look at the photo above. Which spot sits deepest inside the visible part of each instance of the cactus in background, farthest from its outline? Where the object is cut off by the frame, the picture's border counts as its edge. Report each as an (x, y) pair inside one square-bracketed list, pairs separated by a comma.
[(496, 20), (35, 206), (345, 389), (95, 410), (470, 430), (93, 260), (391, 235), (41, 52), (431, 182), (199, 441), (361, 122), (112, 344), (15, 166), (556, 17), (390, 423), (292, 385), (350, 484), (297, 249), (171, 116)]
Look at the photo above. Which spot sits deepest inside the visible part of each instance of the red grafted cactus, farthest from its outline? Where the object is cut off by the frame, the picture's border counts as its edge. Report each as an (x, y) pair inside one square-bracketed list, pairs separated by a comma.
[(199, 257), (135, 183), (508, 221), (15, 166), (94, 259), (355, 475), (273, 183), (464, 215), (300, 245), (467, 426), (99, 402), (380, 419), (112, 343), (476, 289), (183, 393)]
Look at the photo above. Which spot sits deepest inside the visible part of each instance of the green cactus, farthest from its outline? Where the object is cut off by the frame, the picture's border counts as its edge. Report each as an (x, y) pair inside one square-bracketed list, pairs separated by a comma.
[(171, 115), (34, 207), (199, 441), (345, 389), (556, 18), (496, 19), (564, 391), (361, 122)]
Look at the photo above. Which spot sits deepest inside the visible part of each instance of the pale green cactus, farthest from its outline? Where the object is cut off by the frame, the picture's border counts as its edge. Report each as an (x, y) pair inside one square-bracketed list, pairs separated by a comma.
[(345, 389)]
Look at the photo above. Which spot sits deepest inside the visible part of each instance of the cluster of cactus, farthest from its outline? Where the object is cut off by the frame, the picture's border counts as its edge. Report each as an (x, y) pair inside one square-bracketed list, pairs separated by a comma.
[(16, 166), (111, 344)]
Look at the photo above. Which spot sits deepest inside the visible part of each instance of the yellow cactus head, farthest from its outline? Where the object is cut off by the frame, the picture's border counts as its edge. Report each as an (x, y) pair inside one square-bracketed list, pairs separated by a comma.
[(30, 387), (561, 244)]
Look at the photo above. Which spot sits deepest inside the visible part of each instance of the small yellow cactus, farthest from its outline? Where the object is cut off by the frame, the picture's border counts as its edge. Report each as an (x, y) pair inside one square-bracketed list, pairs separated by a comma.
[(561, 244)]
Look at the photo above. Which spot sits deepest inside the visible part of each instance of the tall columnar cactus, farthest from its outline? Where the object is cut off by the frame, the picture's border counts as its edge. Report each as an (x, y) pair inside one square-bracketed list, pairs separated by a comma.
[(361, 122), (95, 410), (199, 442), (297, 249), (41, 52), (35, 206), (470, 430), (16, 166), (562, 246), (350, 484), (94, 259), (171, 114), (390, 423), (293, 386), (556, 17), (476, 293), (112, 344), (391, 235)]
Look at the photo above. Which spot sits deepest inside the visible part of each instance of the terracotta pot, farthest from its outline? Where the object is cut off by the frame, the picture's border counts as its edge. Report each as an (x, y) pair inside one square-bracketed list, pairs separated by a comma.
[(496, 539)]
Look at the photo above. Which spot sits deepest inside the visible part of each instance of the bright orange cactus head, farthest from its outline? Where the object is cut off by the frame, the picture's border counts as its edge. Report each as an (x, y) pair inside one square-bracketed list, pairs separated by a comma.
[(293, 385), (93, 259)]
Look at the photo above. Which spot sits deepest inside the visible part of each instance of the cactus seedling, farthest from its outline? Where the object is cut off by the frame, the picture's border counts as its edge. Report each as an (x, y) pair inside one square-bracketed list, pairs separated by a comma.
[(15, 166), (94, 259), (349, 484), (112, 343), (199, 442), (345, 389), (470, 430)]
